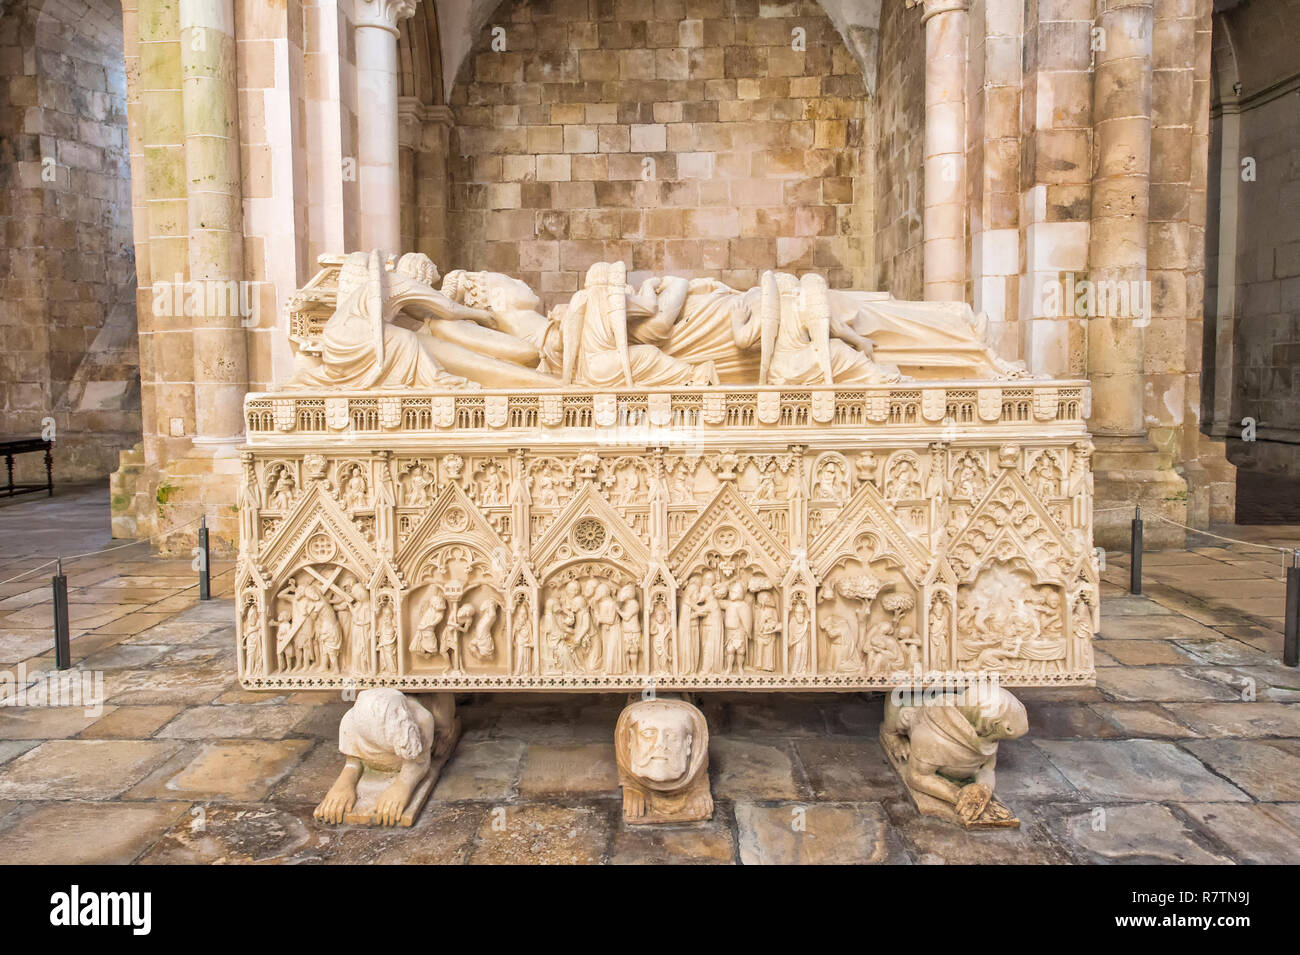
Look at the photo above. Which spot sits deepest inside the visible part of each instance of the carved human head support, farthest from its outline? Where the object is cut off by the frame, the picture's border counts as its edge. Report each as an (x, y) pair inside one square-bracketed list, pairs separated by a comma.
[(663, 744)]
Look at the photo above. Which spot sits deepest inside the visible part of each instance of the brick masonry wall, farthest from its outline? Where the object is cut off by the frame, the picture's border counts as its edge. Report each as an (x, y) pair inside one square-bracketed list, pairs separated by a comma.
[(67, 270), (1265, 354), (1268, 271), (756, 150)]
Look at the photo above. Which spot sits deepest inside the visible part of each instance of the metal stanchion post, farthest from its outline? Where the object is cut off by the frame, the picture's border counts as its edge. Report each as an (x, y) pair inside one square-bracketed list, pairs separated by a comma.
[(1135, 556), (62, 643), (205, 590), (1291, 641)]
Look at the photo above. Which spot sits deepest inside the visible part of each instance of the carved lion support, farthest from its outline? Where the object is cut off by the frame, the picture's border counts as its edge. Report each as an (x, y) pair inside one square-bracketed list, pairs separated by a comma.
[(662, 748), (396, 745), (944, 746)]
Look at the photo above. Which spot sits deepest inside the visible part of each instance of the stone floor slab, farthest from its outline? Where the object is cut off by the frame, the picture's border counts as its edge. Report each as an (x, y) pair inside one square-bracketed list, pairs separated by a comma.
[(931, 841), (1145, 652), (551, 770), (840, 770), (1257, 833), (816, 834), (236, 770), (82, 769), (1268, 770), (47, 722), (543, 835), (1162, 684), (743, 769), (130, 722), (1151, 627), (1240, 718), (443, 835), (1136, 770), (241, 835), (483, 770), (236, 720), (1143, 720), (699, 843), (1142, 834), (112, 833)]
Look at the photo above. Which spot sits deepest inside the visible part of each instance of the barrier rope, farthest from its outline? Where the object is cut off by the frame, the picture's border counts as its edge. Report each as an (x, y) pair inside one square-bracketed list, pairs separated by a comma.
[(106, 550), (1196, 530)]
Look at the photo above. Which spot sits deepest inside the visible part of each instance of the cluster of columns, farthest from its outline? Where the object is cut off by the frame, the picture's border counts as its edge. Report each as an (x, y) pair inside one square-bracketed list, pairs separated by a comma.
[(1117, 249)]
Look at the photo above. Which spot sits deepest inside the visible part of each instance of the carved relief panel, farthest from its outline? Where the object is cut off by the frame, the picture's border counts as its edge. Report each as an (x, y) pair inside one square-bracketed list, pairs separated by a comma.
[(577, 565)]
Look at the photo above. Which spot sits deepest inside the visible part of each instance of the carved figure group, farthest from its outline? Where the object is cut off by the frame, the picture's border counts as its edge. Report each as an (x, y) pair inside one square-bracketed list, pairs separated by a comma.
[(391, 327), (442, 621)]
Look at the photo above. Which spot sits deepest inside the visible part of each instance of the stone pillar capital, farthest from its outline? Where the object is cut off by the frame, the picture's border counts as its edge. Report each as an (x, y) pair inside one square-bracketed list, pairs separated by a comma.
[(411, 117), (415, 118), (932, 8), (382, 14)]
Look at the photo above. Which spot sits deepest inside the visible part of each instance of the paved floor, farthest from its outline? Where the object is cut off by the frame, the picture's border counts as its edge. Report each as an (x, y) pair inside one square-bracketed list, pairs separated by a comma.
[(1188, 750)]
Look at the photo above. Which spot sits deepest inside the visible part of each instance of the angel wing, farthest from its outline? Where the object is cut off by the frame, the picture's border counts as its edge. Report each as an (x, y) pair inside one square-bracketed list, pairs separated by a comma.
[(816, 306), (571, 336), (615, 295)]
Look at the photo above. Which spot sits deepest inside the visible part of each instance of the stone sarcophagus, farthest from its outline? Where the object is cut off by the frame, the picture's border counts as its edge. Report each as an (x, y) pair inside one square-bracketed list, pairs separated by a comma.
[(677, 487), (695, 539)]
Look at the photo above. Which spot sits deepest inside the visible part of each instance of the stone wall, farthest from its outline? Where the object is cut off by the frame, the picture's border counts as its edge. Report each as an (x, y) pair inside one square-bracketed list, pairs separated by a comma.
[(682, 136), (896, 124), (1259, 345), (67, 273)]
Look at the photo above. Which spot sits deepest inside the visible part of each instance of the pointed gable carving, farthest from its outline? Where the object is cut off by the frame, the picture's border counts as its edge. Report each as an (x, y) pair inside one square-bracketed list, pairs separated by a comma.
[(867, 512), (316, 513), (452, 518), (728, 507), (620, 543), (249, 574), (1010, 524)]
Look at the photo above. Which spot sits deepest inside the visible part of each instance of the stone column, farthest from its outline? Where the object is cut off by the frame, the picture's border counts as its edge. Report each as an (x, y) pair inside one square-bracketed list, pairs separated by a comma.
[(162, 172), (1225, 312), (944, 215), (215, 218), (378, 161), (1117, 249)]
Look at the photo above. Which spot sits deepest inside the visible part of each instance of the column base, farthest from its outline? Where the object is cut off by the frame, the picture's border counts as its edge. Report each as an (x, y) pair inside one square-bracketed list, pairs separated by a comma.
[(1131, 470), (1211, 485), (148, 499)]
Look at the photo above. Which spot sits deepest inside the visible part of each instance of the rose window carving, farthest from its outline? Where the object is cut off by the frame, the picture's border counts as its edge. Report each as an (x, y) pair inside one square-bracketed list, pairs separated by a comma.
[(589, 534)]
